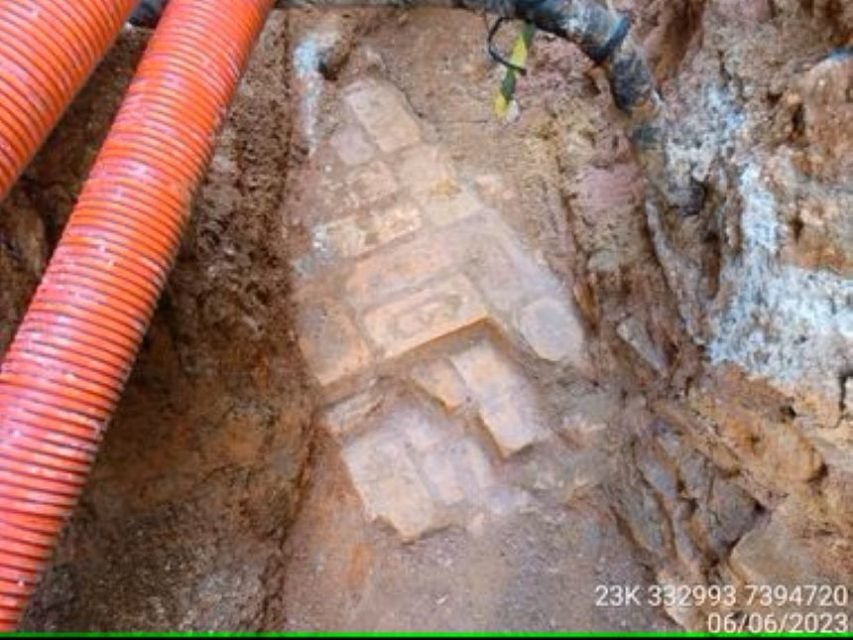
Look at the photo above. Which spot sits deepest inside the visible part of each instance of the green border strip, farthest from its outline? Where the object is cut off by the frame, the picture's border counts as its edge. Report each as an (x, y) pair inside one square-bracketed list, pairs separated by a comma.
[(415, 634)]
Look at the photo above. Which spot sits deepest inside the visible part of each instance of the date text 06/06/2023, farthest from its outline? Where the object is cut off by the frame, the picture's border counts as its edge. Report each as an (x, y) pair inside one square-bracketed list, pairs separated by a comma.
[(750, 608)]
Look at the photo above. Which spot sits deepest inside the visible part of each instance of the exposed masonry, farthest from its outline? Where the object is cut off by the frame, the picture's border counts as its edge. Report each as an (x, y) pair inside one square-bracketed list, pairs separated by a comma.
[(411, 298)]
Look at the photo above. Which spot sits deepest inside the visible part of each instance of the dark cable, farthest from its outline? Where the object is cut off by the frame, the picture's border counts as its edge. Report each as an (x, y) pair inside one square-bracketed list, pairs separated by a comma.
[(495, 54)]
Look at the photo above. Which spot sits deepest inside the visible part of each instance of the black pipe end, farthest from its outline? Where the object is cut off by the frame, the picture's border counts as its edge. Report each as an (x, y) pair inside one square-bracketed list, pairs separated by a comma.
[(147, 13)]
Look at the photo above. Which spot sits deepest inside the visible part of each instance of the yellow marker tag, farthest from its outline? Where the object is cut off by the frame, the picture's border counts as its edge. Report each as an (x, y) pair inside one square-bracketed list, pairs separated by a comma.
[(520, 50)]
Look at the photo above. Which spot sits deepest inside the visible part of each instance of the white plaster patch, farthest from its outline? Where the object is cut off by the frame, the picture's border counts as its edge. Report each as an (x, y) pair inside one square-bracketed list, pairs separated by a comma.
[(788, 324)]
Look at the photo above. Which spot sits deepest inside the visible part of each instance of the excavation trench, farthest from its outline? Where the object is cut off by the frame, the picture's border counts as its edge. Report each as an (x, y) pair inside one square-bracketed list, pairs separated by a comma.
[(362, 181)]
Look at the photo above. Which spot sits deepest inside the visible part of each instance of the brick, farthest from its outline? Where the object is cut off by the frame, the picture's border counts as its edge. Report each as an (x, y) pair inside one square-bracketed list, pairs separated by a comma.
[(404, 502), (486, 372), (499, 263), (433, 312), (442, 209), (352, 146), (553, 331), (473, 465), (424, 171), (330, 341), (380, 110), (367, 458), (344, 238), (345, 417), (421, 430), (370, 184), (389, 485), (392, 223), (441, 381), (355, 235), (441, 476), (378, 278), (329, 198), (512, 421), (508, 406)]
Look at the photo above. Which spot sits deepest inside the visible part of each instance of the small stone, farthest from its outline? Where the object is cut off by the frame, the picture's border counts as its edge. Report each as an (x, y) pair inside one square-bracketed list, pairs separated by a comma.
[(634, 334), (554, 332), (729, 513), (477, 525), (493, 188), (582, 430), (513, 112), (587, 472), (373, 60)]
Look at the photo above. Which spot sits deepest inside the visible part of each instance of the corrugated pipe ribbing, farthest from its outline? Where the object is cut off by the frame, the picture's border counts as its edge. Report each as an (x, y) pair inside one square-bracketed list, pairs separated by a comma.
[(63, 374), (47, 51)]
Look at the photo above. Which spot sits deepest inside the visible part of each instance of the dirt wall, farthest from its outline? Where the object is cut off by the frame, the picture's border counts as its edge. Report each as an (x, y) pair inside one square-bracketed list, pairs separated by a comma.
[(736, 321), (182, 522)]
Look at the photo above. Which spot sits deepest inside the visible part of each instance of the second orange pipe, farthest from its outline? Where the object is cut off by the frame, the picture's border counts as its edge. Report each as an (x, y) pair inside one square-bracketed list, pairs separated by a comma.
[(47, 51)]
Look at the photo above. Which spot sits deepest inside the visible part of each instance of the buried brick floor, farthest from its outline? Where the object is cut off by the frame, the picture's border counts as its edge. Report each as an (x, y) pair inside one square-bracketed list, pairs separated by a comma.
[(411, 277)]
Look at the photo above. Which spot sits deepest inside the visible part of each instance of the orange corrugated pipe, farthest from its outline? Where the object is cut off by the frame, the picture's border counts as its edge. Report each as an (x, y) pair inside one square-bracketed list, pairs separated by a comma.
[(48, 49), (64, 371)]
